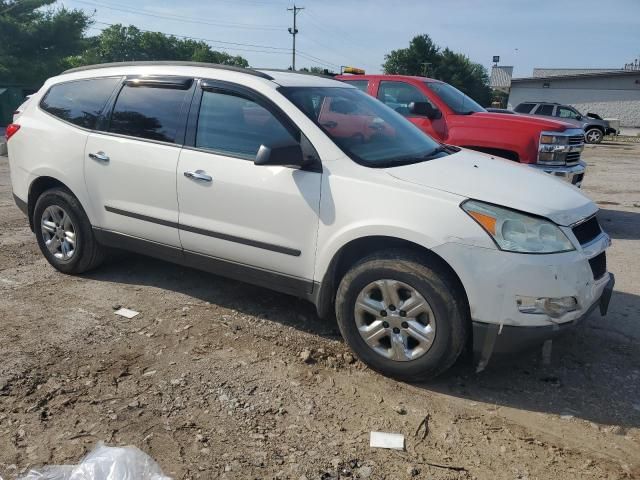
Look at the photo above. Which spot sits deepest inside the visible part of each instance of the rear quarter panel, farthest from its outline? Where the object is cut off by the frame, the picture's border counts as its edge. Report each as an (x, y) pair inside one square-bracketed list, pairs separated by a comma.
[(46, 146)]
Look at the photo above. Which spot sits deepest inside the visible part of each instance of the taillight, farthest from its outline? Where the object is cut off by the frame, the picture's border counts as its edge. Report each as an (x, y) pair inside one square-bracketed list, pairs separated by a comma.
[(11, 129)]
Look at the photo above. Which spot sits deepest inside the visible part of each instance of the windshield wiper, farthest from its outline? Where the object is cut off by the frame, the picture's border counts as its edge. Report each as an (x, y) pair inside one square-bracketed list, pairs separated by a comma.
[(400, 161)]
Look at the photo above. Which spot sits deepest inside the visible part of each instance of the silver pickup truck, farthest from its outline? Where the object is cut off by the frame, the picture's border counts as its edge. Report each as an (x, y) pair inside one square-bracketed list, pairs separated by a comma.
[(595, 128)]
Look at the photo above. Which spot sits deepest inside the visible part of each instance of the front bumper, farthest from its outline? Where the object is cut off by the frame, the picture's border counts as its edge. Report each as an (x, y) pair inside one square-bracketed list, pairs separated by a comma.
[(573, 174), (490, 338)]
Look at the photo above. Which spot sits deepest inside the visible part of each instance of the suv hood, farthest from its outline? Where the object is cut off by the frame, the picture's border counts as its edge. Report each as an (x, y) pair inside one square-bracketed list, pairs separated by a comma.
[(502, 182)]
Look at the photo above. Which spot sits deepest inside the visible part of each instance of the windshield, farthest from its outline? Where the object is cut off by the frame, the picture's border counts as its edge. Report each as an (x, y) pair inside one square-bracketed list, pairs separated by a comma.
[(454, 98), (365, 129)]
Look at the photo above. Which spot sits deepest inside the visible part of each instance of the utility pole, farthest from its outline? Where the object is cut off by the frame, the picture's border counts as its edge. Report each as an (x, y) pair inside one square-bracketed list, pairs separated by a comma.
[(294, 31)]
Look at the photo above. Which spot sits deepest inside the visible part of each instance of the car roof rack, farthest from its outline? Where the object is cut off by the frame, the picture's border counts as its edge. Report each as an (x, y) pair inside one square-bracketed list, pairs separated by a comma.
[(299, 72), (248, 71)]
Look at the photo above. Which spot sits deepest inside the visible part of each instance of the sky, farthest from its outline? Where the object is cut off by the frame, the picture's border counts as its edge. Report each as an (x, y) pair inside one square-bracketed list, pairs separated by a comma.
[(332, 33)]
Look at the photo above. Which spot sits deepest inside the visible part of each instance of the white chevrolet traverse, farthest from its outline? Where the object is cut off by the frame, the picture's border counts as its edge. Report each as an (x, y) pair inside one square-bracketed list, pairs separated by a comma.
[(311, 187)]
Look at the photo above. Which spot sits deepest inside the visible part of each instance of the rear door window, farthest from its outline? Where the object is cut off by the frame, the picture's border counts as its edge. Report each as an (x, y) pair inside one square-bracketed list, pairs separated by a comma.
[(398, 95), (149, 113), (524, 108), (545, 110), (359, 84), (80, 102)]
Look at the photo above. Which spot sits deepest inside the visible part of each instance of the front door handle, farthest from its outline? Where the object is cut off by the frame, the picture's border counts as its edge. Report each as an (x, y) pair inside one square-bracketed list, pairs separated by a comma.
[(198, 175), (99, 156)]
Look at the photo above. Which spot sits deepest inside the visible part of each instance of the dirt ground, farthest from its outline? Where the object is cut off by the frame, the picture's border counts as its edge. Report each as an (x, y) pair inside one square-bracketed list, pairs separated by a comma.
[(210, 379)]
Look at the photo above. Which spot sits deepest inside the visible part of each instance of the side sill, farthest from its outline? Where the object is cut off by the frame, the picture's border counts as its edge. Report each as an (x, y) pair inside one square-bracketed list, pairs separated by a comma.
[(298, 287)]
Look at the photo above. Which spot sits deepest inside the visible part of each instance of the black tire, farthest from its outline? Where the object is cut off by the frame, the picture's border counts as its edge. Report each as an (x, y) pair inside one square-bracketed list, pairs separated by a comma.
[(88, 254), (435, 285), (593, 135)]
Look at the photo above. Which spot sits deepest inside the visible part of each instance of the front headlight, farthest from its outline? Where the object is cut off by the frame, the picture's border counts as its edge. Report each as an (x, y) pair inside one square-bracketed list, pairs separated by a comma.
[(554, 148), (517, 232)]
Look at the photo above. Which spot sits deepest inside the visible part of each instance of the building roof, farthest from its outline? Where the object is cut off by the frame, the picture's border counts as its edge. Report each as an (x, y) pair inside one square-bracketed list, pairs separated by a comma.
[(607, 73), (500, 77), (562, 72)]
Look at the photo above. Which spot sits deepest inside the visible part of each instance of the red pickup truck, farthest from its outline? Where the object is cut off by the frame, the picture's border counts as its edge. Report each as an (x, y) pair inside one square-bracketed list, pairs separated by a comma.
[(450, 116)]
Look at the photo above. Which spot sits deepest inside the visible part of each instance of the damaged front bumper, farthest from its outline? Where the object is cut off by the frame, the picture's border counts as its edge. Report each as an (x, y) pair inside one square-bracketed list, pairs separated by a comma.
[(493, 339)]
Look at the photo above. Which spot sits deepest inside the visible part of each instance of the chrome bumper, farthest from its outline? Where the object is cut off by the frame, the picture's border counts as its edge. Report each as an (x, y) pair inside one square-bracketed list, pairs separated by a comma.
[(573, 174)]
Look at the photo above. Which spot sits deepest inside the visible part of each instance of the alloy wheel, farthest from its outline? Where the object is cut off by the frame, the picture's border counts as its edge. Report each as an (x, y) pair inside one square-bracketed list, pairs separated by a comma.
[(594, 136), (395, 320), (58, 232)]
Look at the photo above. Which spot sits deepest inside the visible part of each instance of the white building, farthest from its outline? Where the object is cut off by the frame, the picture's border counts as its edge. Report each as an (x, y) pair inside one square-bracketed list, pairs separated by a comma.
[(609, 93)]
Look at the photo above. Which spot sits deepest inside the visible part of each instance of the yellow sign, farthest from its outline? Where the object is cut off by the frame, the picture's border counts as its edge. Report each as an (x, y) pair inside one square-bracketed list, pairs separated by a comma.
[(353, 70)]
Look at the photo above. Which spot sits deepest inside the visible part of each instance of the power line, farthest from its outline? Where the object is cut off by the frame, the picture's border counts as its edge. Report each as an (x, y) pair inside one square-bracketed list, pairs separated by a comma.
[(332, 35), (319, 60), (207, 39), (343, 33), (285, 51), (181, 18)]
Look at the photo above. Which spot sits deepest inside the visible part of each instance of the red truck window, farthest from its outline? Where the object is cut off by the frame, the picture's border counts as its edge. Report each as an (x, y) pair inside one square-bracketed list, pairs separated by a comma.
[(359, 84), (398, 95)]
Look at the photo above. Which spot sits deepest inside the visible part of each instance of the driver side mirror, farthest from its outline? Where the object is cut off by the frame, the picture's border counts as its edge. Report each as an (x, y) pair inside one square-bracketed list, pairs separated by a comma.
[(424, 109), (287, 154)]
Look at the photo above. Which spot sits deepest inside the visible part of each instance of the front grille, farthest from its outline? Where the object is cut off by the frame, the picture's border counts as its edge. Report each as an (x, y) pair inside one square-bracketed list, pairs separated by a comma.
[(587, 231), (576, 139), (573, 157), (598, 265)]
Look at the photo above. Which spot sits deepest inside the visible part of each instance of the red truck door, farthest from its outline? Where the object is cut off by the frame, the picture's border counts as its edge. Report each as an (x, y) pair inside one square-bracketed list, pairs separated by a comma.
[(398, 95)]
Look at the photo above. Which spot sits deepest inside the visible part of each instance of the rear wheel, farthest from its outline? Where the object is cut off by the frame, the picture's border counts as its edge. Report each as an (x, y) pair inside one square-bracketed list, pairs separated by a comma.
[(401, 317), (593, 135), (64, 232)]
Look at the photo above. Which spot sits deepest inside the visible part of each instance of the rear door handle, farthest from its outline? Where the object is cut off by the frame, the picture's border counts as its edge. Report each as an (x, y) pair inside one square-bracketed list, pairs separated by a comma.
[(198, 175), (99, 156)]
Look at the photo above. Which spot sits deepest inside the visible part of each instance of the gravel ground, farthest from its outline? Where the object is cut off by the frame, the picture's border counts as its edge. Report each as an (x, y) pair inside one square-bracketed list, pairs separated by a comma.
[(219, 379)]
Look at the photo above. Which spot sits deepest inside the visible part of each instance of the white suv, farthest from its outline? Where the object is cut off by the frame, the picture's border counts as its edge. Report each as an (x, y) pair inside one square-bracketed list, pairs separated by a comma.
[(311, 187)]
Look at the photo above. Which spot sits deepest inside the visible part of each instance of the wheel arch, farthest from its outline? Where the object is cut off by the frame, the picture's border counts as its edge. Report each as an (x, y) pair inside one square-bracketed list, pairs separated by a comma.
[(361, 247), (37, 188), (597, 127)]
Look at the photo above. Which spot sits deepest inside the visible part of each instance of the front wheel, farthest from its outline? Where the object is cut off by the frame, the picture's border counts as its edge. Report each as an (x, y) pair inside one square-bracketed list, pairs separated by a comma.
[(402, 317), (593, 135)]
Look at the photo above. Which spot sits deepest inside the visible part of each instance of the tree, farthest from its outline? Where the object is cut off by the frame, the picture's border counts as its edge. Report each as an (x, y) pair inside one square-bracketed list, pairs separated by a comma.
[(318, 70), (118, 43), (34, 42), (419, 59), (423, 57)]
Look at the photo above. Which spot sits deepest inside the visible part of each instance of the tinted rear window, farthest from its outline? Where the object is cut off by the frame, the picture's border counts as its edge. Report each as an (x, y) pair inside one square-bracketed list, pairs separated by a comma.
[(79, 102), (544, 110), (524, 108), (359, 84), (151, 113)]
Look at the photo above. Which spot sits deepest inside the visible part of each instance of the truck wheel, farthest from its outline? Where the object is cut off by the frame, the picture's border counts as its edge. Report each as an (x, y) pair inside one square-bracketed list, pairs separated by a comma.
[(64, 232), (593, 135), (401, 317)]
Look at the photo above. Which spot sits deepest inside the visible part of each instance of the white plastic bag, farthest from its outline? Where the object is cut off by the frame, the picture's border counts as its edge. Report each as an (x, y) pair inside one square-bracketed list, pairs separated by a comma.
[(104, 463)]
